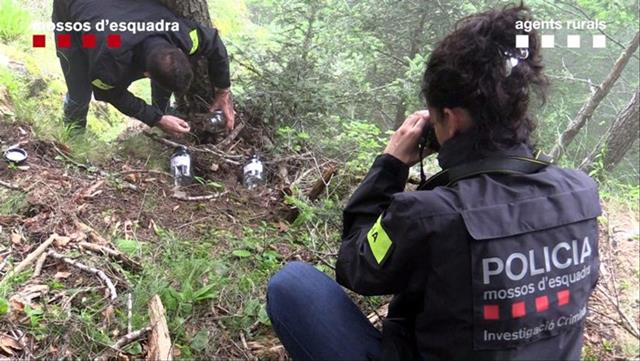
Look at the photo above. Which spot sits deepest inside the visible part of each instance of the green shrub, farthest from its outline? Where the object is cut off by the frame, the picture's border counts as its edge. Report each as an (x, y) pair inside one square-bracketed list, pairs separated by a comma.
[(14, 21)]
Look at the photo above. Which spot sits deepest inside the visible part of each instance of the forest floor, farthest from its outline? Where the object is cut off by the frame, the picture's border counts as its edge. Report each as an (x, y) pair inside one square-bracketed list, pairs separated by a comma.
[(104, 238), (208, 248)]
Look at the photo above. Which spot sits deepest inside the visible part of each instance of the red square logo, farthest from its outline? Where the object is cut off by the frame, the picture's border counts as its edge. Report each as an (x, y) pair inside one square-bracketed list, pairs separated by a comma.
[(114, 41), (542, 303), (491, 312), (64, 41), (518, 310), (39, 41), (563, 297), (89, 41)]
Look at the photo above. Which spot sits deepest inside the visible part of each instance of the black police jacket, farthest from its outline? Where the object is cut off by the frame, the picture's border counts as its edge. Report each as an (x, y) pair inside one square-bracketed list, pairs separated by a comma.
[(112, 70), (492, 267)]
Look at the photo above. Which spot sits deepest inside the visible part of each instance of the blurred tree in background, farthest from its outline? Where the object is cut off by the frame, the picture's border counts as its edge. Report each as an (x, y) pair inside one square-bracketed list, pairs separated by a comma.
[(314, 65)]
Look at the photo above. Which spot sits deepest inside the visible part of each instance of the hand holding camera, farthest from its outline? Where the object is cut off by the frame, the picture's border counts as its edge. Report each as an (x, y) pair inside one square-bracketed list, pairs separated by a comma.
[(405, 142)]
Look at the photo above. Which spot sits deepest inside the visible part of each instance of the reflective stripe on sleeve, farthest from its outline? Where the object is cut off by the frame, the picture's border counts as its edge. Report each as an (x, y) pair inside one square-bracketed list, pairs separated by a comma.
[(379, 241), (101, 85), (195, 41)]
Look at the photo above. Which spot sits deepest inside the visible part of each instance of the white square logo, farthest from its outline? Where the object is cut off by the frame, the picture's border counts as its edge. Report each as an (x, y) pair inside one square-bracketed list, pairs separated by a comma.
[(548, 41), (573, 41), (522, 41), (599, 41)]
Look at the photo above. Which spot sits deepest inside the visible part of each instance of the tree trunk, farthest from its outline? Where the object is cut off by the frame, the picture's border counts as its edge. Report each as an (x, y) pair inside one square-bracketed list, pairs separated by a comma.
[(590, 106), (618, 139), (200, 96)]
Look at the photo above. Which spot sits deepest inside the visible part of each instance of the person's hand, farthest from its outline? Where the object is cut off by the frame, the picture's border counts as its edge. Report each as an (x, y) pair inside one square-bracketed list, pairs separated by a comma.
[(224, 102), (404, 142), (173, 125)]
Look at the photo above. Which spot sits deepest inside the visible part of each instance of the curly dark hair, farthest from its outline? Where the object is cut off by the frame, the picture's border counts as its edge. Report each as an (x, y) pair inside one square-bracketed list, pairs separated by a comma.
[(467, 69), (171, 68)]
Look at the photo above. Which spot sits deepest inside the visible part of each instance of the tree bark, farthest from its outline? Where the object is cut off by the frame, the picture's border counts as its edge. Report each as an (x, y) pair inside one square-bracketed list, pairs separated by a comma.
[(200, 96), (590, 106), (619, 138)]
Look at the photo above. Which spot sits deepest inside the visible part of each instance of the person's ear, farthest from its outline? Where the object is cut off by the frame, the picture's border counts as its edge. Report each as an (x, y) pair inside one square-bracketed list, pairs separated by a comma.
[(452, 122)]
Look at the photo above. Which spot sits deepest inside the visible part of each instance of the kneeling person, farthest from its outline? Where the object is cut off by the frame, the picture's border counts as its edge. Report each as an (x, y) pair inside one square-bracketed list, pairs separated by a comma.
[(165, 57)]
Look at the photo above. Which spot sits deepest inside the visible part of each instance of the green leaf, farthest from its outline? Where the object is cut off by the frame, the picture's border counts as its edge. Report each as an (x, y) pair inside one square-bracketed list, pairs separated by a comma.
[(263, 316), (241, 253), (129, 246), (205, 293), (134, 349), (200, 340), (216, 185), (4, 306)]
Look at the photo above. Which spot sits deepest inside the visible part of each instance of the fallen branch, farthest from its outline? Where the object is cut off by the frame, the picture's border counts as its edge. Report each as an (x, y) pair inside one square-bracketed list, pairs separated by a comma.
[(131, 337), (112, 289), (159, 340), (181, 196), (228, 158), (228, 140), (112, 253), (88, 192), (321, 184), (4, 262), (30, 258), (145, 171), (129, 312), (39, 264), (625, 322), (124, 341), (12, 187), (91, 233), (69, 159)]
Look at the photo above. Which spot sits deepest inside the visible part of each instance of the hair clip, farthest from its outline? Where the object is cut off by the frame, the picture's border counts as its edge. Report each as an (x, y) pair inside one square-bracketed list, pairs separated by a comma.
[(514, 59)]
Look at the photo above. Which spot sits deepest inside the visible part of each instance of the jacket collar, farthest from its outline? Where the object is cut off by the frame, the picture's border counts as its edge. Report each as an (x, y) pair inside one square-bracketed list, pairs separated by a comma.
[(462, 149)]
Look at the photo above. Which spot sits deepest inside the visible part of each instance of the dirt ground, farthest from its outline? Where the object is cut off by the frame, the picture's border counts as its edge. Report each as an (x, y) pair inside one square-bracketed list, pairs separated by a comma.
[(124, 198)]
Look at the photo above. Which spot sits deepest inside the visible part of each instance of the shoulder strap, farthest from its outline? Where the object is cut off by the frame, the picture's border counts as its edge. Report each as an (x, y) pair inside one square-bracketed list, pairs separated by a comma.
[(507, 165)]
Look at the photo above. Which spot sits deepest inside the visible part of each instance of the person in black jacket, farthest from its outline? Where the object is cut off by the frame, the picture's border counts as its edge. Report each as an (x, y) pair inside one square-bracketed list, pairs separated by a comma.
[(106, 71), (494, 258)]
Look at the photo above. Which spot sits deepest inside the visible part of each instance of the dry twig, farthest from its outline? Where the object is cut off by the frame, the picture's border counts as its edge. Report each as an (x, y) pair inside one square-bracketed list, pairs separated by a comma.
[(123, 342), (30, 258), (181, 196), (228, 140), (10, 186), (129, 311), (112, 253), (39, 263), (227, 158), (112, 289)]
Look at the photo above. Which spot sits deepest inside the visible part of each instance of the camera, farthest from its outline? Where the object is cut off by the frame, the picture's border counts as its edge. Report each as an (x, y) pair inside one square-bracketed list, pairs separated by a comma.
[(429, 140)]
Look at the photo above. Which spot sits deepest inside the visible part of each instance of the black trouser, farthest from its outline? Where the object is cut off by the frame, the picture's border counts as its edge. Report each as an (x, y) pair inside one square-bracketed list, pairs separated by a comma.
[(75, 67)]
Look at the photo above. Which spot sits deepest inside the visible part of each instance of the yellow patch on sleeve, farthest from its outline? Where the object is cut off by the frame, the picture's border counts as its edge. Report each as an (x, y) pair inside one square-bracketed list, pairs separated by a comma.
[(379, 241), (101, 85), (195, 41)]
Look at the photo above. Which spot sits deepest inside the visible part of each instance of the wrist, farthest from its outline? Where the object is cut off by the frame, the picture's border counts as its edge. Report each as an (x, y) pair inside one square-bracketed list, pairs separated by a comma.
[(392, 165)]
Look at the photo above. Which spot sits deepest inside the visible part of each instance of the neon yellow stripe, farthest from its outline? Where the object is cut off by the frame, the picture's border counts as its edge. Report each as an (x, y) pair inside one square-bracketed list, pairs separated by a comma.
[(195, 41), (379, 241), (101, 85)]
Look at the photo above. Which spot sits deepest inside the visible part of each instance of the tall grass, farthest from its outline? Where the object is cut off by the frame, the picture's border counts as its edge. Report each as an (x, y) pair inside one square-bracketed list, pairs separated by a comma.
[(14, 21)]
